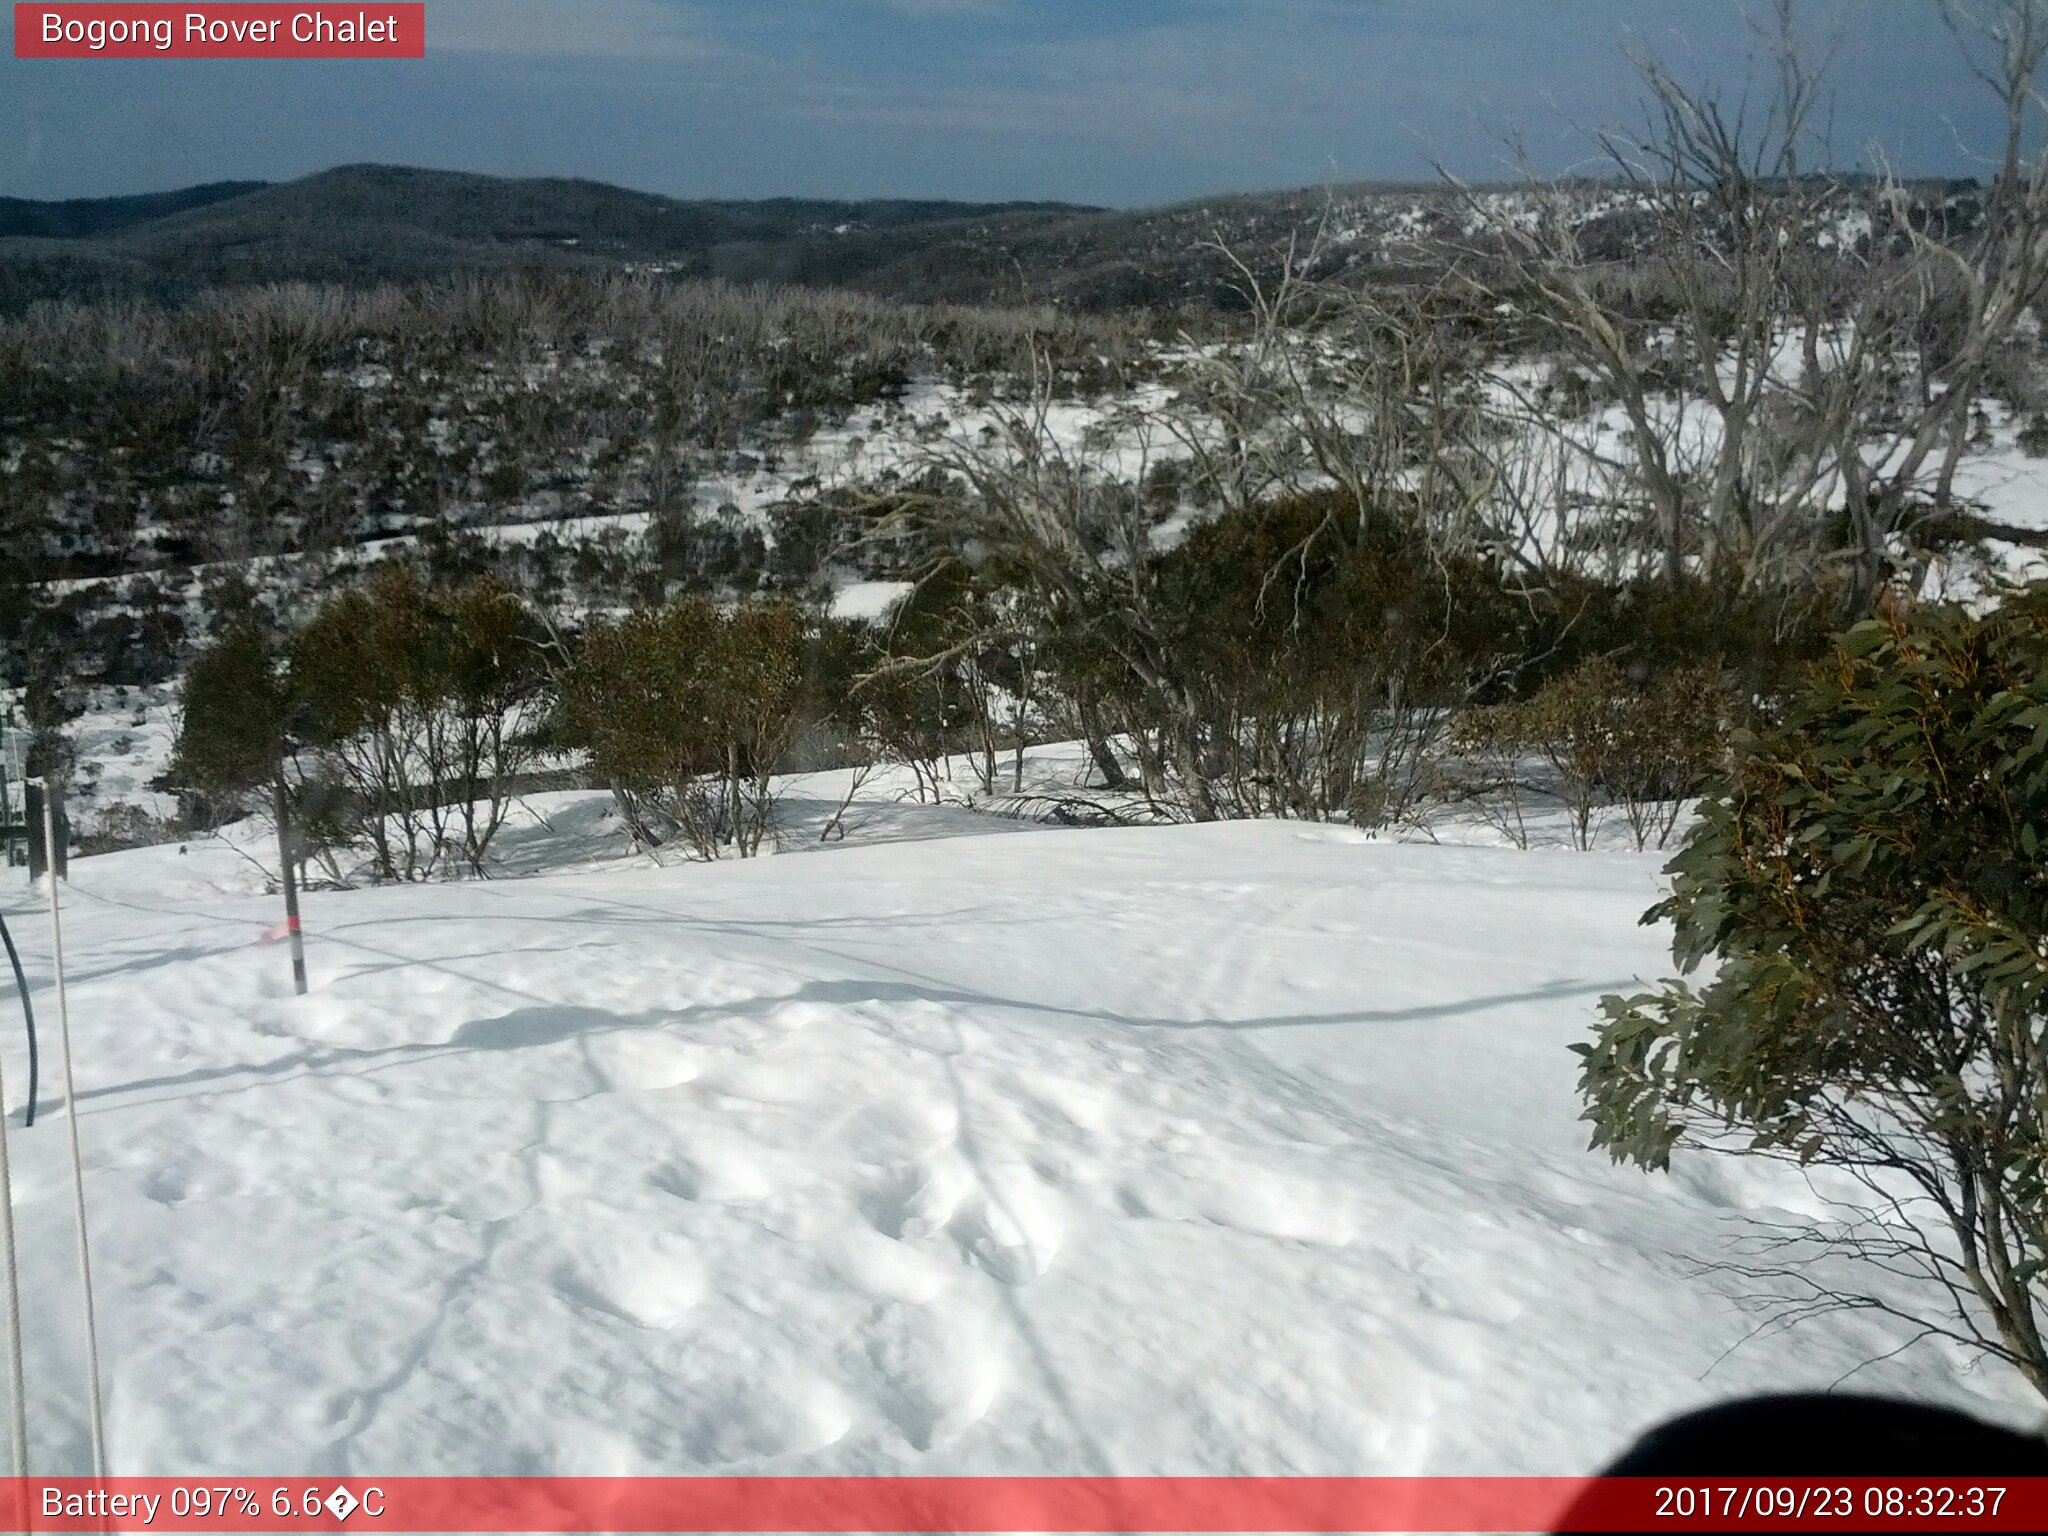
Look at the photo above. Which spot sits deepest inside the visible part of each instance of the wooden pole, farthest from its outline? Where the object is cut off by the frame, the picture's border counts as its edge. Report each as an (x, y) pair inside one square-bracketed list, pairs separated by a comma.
[(291, 886)]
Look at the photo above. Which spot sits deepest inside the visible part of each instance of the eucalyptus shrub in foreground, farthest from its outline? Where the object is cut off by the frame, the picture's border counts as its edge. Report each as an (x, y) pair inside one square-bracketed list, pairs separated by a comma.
[(1870, 881)]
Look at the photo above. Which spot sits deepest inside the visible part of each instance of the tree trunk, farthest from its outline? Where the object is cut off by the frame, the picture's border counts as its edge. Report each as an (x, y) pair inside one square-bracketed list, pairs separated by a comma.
[(1106, 764)]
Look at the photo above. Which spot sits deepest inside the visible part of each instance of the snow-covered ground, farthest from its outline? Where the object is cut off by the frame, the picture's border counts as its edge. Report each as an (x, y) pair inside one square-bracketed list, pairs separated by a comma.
[(123, 738), (1231, 1149)]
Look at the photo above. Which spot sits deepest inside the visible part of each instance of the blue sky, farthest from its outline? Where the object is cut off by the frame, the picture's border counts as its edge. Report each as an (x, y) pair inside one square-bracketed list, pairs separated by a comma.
[(1121, 102)]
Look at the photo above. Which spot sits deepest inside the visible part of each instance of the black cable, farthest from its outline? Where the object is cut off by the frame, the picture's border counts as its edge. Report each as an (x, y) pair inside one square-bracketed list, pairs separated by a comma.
[(28, 1013)]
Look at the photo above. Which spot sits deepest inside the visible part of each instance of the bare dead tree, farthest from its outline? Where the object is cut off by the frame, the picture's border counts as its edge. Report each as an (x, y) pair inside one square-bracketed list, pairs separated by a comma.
[(1369, 392), (1061, 514), (1718, 208), (1958, 297), (1794, 392)]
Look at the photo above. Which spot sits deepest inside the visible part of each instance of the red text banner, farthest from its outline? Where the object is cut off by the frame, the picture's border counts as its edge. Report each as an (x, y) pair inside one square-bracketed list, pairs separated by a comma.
[(148, 31), (1042, 1504)]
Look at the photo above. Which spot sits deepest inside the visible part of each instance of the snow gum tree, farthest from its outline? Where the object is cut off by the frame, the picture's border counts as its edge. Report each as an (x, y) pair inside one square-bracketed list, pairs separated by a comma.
[(1870, 879), (232, 736), (398, 717), (238, 745)]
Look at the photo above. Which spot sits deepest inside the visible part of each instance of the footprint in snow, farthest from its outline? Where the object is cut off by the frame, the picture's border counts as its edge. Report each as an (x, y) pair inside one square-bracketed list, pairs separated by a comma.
[(933, 1376), (1005, 1244), (643, 1061), (915, 1200), (168, 1185), (724, 1178), (651, 1282)]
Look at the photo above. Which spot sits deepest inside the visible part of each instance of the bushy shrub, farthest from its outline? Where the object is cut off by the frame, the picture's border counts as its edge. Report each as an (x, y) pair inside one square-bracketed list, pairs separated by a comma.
[(1604, 742), (1869, 880), (687, 712), (1326, 659), (397, 718), (1762, 639), (424, 703), (914, 692), (716, 551), (233, 729), (810, 533), (122, 827)]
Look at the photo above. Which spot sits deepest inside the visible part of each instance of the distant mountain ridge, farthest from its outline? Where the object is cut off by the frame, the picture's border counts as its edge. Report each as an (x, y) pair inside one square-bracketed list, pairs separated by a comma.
[(360, 224), (376, 222), (381, 223), (85, 217)]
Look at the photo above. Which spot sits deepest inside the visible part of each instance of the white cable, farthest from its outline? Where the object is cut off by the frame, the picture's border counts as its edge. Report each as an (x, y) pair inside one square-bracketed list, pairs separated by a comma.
[(17, 1392), (92, 1336)]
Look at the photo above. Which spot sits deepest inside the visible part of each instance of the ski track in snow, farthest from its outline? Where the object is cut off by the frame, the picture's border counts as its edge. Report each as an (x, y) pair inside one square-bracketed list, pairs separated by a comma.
[(1237, 1149)]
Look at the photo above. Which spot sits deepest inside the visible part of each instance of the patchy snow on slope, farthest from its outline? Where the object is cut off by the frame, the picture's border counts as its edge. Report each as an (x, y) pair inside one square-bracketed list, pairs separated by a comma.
[(123, 740), (1229, 1149)]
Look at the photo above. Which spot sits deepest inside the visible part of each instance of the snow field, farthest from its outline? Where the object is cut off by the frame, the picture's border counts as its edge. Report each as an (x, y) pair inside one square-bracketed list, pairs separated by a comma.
[(1230, 1149)]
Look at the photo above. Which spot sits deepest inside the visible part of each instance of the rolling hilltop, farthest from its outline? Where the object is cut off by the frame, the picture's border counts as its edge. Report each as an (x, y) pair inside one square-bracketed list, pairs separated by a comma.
[(375, 223), (87, 217), (368, 223)]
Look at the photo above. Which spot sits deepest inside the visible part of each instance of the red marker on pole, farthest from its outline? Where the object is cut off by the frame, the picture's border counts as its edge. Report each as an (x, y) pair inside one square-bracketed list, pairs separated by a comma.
[(291, 889)]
